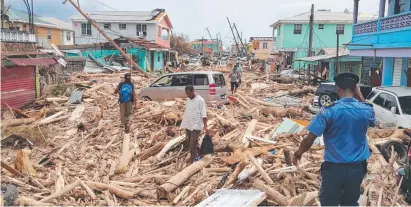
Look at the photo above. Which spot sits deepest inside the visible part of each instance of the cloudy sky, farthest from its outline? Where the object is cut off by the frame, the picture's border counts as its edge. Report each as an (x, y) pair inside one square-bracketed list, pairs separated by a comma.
[(191, 17)]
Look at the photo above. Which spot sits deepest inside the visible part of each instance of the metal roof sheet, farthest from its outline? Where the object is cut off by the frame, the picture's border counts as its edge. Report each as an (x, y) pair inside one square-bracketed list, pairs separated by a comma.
[(58, 23), (324, 17), (33, 61), (323, 57), (22, 16), (226, 197), (116, 16)]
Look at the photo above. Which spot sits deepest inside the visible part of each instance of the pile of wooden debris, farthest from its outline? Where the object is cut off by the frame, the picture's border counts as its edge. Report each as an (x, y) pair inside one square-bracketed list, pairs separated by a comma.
[(84, 158)]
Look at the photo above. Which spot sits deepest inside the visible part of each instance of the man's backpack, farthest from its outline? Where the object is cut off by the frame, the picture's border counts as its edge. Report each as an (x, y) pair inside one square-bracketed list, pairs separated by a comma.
[(126, 93)]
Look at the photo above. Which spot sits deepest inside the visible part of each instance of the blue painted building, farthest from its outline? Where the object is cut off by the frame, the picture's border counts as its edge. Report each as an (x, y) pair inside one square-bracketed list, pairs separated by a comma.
[(388, 37)]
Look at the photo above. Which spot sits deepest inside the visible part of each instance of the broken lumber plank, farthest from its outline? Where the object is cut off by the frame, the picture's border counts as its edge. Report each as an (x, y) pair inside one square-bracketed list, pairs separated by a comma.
[(25, 201), (23, 164), (59, 182), (125, 159), (11, 169), (183, 175), (249, 170), (50, 121), (180, 195), (256, 101), (260, 169), (271, 193), (142, 177), (76, 114), (111, 188), (17, 122), (172, 143), (240, 166), (223, 169), (249, 132), (62, 191), (47, 119), (310, 198), (250, 137), (56, 99), (293, 92), (88, 190), (192, 194)]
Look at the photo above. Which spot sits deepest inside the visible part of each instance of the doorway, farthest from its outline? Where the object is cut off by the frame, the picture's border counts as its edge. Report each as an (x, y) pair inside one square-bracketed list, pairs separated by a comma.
[(152, 60)]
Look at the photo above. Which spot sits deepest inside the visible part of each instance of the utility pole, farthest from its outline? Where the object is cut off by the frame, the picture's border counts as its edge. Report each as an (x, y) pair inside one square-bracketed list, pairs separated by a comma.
[(310, 39), (125, 56), (211, 38), (202, 46), (338, 48), (241, 40), (235, 40)]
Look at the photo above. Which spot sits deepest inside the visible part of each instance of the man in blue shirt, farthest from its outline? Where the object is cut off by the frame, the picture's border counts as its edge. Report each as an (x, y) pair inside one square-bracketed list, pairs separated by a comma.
[(344, 125)]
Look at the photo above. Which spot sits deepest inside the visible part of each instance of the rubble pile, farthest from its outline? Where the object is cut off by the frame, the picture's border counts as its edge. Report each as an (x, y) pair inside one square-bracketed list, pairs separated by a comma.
[(84, 157)]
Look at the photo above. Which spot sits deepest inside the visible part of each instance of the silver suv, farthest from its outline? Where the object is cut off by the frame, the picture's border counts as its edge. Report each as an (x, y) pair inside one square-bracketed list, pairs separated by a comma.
[(208, 84)]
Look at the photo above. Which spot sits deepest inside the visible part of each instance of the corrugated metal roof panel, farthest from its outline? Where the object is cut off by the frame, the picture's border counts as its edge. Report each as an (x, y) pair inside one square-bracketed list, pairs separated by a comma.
[(116, 16), (18, 86), (33, 61), (226, 197)]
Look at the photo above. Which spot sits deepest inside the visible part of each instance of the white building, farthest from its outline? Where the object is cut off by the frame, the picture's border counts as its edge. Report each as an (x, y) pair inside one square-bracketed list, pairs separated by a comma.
[(67, 32), (152, 25)]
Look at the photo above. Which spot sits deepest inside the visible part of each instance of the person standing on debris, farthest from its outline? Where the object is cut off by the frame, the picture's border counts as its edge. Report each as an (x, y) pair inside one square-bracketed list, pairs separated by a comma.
[(127, 96), (343, 124), (234, 79), (194, 120), (239, 70)]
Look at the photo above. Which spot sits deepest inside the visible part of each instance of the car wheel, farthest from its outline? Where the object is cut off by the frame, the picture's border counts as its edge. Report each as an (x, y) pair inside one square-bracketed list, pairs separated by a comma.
[(399, 148), (324, 100), (146, 98)]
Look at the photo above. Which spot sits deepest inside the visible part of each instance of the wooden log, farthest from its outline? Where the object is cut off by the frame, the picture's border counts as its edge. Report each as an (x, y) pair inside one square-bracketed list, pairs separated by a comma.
[(76, 114), (297, 200), (218, 170), (111, 188), (309, 175), (375, 150), (380, 196), (149, 176), (125, 159), (249, 137), (260, 169), (151, 151), (310, 198), (63, 191), (23, 163), (293, 92), (50, 121), (56, 99), (249, 170), (240, 166), (180, 195), (192, 194), (59, 182), (17, 122), (172, 143), (183, 175), (11, 169), (88, 190), (394, 200), (249, 132), (271, 193), (256, 101), (47, 119), (25, 201)]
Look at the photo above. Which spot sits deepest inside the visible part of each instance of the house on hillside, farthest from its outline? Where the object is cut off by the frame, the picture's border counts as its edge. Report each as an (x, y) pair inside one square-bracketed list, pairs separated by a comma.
[(262, 47), (46, 32), (153, 25), (388, 37), (293, 33)]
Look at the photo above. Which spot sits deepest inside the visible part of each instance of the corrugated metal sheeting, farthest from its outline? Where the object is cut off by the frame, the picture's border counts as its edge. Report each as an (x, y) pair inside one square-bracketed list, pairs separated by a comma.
[(18, 85), (33, 61)]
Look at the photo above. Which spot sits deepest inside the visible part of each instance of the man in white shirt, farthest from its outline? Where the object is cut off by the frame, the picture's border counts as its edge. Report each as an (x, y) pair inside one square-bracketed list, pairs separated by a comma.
[(194, 120)]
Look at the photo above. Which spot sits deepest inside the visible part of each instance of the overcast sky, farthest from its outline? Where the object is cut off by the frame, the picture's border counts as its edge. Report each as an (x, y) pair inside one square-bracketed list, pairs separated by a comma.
[(191, 17)]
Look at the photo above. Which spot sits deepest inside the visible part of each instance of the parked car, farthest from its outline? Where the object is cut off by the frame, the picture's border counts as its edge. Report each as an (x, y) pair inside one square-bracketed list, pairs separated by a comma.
[(194, 62), (208, 84), (392, 106), (290, 73), (327, 93)]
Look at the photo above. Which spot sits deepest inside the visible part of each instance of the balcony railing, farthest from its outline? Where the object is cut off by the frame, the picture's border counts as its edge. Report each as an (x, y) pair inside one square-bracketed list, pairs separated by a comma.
[(386, 24), (17, 36)]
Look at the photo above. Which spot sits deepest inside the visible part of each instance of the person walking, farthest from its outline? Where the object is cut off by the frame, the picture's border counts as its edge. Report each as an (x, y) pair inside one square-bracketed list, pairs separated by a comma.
[(343, 124), (234, 79), (194, 120), (127, 97)]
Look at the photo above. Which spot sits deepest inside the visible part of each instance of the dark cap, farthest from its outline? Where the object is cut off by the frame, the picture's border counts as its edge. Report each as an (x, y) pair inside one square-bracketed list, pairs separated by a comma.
[(346, 80)]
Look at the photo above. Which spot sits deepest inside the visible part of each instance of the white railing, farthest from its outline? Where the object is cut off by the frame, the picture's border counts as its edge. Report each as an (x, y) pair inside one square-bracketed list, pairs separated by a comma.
[(17, 36)]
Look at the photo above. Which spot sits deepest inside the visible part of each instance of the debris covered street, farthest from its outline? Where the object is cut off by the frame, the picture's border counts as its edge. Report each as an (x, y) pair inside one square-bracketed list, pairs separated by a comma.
[(80, 155)]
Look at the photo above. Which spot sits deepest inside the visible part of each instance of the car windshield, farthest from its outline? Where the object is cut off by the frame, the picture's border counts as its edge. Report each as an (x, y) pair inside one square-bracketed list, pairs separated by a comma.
[(405, 103)]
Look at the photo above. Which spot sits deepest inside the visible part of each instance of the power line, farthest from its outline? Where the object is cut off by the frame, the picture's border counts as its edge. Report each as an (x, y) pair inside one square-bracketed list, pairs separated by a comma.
[(97, 1)]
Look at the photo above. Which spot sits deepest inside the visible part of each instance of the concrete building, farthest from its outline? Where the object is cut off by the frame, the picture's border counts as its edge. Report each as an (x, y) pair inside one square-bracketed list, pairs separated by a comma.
[(44, 32), (292, 33), (262, 47), (216, 48), (388, 37), (152, 25)]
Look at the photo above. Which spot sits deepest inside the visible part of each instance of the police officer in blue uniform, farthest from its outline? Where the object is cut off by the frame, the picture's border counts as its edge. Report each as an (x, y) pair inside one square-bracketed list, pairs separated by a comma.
[(343, 124)]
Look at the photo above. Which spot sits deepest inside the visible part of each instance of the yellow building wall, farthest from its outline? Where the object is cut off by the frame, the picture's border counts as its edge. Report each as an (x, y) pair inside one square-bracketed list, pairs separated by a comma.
[(56, 34)]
